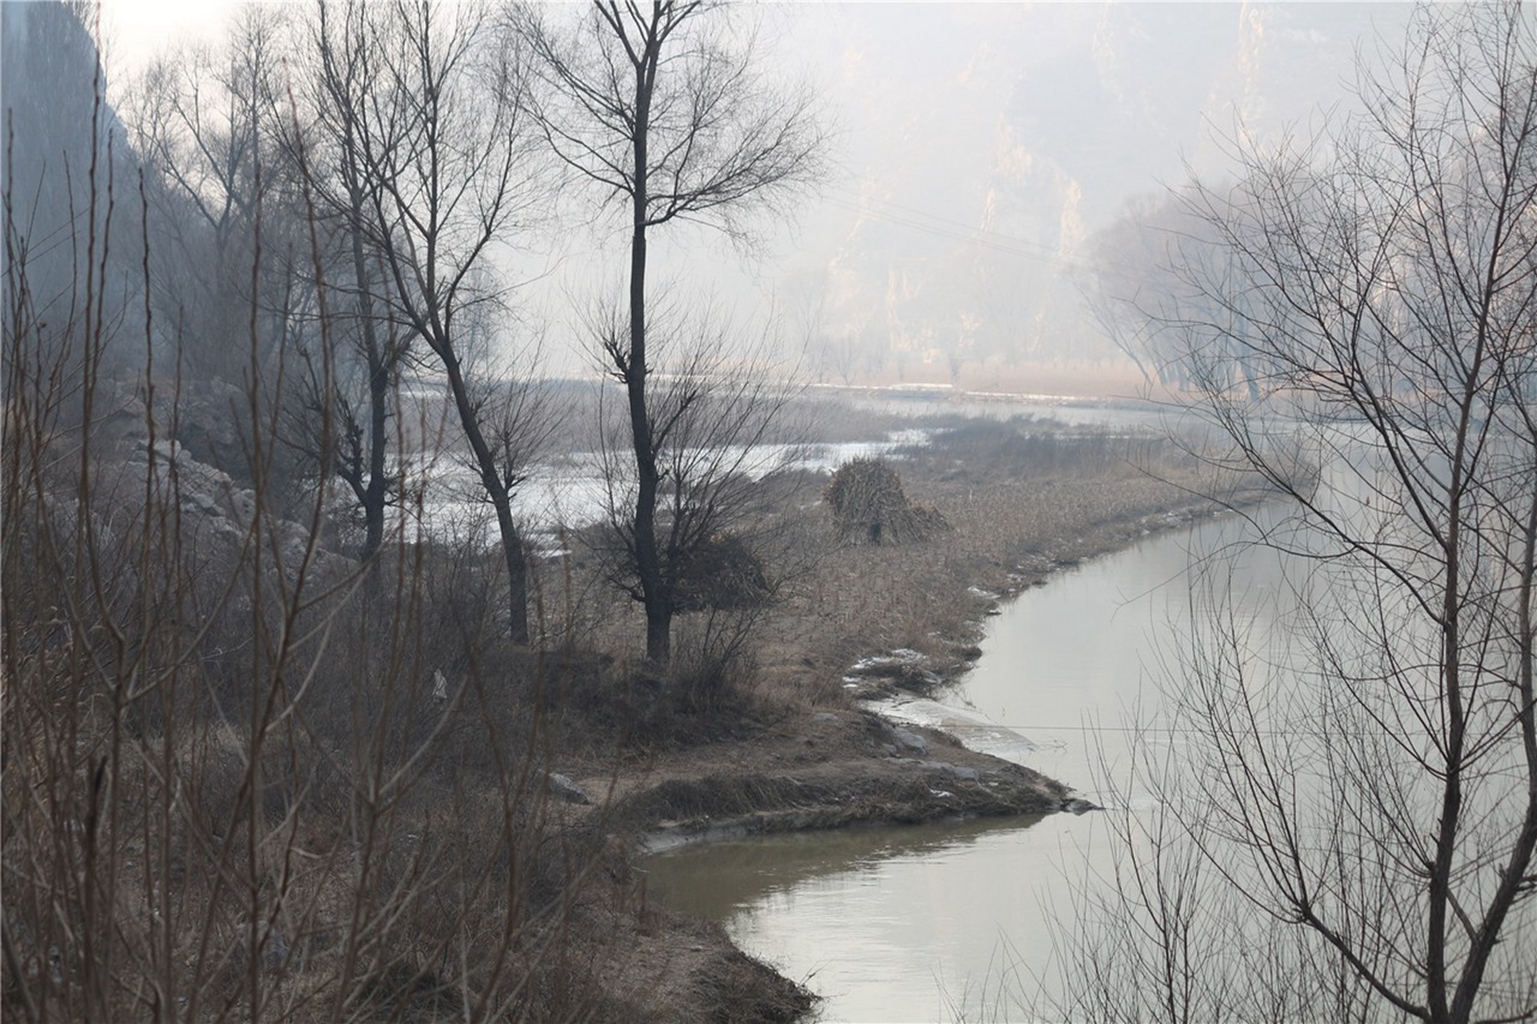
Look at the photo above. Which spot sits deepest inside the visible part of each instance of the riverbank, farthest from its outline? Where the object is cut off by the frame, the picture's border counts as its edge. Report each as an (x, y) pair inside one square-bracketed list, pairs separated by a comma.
[(804, 771), (801, 752)]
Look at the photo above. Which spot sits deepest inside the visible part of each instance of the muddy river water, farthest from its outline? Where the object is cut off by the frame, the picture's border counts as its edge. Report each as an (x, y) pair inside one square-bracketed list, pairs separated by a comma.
[(953, 921)]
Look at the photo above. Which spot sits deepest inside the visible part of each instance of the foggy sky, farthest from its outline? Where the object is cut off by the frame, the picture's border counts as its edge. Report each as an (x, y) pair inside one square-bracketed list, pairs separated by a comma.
[(975, 148), (978, 145)]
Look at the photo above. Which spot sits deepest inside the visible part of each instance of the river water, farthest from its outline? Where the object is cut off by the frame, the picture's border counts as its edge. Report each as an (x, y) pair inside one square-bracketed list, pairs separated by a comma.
[(952, 921)]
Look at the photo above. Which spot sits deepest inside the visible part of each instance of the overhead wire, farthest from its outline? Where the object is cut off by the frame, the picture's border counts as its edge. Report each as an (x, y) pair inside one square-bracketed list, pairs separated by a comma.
[(944, 227), (952, 230)]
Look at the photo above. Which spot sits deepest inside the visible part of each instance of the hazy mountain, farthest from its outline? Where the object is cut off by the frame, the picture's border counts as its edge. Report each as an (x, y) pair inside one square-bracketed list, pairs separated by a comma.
[(49, 84), (977, 147), (982, 143)]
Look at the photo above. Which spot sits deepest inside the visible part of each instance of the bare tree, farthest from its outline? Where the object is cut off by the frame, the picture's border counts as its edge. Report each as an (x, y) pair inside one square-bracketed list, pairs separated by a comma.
[(1139, 290), (718, 424), (345, 67), (657, 111), (203, 118), (1354, 835), (437, 137), (1127, 283)]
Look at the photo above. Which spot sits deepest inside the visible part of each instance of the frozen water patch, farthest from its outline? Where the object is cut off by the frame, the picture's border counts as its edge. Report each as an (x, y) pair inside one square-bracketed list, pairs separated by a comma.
[(974, 729), (573, 491)]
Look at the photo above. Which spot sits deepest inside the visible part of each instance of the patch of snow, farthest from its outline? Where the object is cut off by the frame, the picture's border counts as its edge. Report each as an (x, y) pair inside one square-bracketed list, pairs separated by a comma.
[(974, 730), (900, 656)]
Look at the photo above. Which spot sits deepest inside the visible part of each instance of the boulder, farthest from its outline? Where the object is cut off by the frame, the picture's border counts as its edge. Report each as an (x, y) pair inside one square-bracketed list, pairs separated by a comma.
[(910, 741)]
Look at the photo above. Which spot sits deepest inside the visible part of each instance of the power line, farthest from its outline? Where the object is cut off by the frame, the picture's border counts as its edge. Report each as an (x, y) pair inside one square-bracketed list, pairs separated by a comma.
[(944, 227), (972, 236)]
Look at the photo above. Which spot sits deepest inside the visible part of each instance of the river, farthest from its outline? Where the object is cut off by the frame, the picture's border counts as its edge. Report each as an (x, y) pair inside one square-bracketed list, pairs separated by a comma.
[(952, 921)]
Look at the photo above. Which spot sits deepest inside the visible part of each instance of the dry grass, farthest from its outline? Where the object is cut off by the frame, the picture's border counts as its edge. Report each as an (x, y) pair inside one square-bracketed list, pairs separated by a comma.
[(1022, 498), (1117, 378)]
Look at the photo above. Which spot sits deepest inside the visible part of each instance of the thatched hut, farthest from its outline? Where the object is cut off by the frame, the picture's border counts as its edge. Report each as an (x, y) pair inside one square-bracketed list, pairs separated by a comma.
[(869, 506)]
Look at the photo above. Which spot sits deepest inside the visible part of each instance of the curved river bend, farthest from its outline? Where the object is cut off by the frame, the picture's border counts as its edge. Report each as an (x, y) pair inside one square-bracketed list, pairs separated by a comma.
[(951, 921)]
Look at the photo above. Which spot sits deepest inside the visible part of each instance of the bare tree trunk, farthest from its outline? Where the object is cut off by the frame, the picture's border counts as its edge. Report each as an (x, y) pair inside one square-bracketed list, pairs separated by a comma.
[(648, 562), (497, 491), (517, 568), (379, 374)]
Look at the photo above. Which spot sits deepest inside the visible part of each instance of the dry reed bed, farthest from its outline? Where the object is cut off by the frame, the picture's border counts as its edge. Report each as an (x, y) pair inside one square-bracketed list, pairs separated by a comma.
[(1021, 501)]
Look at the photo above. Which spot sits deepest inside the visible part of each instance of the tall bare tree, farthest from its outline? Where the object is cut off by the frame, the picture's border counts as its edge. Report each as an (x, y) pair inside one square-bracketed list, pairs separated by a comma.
[(344, 66), (436, 135), (1357, 839), (655, 107), (203, 118)]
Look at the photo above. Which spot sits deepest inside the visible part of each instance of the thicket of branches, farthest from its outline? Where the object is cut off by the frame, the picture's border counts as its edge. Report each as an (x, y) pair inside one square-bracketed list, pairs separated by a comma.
[(1348, 830), (229, 790)]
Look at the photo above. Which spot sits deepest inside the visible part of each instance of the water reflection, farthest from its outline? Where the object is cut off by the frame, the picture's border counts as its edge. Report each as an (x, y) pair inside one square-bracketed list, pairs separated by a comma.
[(720, 879), (886, 924)]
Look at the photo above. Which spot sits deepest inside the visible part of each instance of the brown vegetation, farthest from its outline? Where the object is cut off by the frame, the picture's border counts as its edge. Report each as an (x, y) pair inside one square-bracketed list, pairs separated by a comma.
[(1022, 498), (247, 777), (868, 505), (320, 821)]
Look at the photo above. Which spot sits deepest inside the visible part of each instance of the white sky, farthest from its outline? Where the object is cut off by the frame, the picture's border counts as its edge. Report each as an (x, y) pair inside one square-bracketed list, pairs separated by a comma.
[(1017, 117), (133, 30)]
